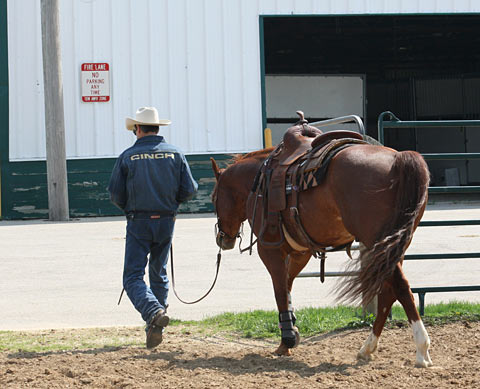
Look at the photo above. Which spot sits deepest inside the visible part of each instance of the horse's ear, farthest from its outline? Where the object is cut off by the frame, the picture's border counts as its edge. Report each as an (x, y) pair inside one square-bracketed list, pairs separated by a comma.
[(215, 168)]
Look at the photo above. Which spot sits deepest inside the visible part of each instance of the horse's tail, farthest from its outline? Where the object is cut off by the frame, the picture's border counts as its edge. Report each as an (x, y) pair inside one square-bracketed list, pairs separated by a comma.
[(379, 261)]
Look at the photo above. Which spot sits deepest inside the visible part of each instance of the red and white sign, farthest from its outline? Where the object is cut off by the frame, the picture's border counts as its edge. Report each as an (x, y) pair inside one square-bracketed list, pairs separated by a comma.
[(95, 82)]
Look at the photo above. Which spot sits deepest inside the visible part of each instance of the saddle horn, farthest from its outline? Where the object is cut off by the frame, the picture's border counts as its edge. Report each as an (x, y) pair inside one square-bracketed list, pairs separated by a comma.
[(302, 118)]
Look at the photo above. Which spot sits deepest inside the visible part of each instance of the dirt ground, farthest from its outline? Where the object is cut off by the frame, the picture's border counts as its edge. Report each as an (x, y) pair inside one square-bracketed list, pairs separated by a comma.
[(185, 360)]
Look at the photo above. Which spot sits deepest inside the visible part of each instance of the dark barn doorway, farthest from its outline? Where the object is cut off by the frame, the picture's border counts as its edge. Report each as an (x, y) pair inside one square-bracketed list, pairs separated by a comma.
[(420, 67)]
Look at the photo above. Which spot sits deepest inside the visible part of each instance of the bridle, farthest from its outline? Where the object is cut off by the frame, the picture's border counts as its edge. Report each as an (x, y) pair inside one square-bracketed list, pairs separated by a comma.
[(239, 235), (221, 233), (218, 229)]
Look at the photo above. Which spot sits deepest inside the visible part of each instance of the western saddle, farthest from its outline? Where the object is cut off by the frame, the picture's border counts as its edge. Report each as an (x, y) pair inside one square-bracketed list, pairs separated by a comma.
[(298, 163)]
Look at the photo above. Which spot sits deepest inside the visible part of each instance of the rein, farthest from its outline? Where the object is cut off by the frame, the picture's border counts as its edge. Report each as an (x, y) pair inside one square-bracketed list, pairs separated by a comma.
[(252, 242), (249, 247)]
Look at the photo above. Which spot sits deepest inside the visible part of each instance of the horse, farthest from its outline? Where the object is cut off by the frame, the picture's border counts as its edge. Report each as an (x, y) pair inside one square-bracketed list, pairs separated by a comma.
[(370, 193)]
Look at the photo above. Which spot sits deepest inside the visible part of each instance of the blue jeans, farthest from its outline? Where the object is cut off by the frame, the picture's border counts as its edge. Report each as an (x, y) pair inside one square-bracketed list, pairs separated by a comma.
[(154, 237)]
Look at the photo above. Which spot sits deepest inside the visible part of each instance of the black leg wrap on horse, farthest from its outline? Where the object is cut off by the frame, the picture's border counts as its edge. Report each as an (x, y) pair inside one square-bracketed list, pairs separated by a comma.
[(287, 321)]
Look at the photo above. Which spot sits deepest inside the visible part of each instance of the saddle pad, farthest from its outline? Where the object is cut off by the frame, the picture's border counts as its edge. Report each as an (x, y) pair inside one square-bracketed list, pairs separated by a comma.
[(316, 169), (317, 156), (323, 139)]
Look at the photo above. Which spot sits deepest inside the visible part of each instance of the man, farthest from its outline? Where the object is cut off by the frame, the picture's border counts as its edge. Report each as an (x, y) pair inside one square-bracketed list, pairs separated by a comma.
[(149, 181)]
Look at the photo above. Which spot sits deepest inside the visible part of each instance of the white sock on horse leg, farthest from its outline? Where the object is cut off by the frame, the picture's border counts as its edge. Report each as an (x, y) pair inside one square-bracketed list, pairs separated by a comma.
[(422, 341), (368, 347)]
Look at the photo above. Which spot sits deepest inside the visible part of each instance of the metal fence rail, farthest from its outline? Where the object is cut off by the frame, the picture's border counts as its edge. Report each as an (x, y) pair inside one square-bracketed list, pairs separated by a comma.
[(395, 122), (432, 289)]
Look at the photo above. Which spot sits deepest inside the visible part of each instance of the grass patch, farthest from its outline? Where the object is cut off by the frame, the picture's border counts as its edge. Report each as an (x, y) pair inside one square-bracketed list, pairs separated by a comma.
[(256, 324), (49, 341), (313, 321), (260, 324), (442, 313)]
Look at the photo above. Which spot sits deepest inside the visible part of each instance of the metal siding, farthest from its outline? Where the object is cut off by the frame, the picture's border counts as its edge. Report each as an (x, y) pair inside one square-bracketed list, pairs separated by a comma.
[(232, 41), (80, 51), (121, 80), (196, 76), (284, 7), (303, 7), (102, 51), (433, 96), (197, 61), (252, 99), (71, 83), (177, 70), (472, 98), (215, 76), (25, 109)]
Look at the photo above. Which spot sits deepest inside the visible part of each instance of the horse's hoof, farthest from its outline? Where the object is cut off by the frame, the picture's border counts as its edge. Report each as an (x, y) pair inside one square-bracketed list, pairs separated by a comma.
[(423, 360), (297, 337), (283, 350), (364, 357), (423, 364)]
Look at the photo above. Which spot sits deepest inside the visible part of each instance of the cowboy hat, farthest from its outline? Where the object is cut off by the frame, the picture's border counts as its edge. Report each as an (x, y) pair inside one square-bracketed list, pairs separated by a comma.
[(147, 116)]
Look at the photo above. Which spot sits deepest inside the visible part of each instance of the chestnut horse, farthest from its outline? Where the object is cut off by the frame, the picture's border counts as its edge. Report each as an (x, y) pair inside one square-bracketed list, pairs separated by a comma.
[(372, 194)]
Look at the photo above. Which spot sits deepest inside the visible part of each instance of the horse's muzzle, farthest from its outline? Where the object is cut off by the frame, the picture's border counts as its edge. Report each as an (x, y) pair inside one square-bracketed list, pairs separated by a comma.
[(225, 242)]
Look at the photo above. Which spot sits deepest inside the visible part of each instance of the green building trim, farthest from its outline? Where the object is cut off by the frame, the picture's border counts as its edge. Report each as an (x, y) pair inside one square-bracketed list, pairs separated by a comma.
[(24, 187), (3, 104)]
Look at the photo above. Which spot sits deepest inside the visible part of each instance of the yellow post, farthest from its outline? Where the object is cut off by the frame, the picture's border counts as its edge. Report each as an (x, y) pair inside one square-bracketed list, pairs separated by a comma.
[(268, 137)]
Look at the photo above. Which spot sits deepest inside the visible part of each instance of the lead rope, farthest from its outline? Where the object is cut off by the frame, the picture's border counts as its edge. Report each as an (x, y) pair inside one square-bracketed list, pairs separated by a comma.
[(121, 295), (219, 258)]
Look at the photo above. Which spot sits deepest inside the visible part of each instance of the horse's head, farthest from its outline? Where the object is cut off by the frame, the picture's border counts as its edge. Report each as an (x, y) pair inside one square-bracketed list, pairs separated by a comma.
[(229, 202)]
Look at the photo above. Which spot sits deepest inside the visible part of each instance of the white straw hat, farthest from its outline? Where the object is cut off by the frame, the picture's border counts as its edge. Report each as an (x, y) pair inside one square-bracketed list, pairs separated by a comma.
[(147, 116)]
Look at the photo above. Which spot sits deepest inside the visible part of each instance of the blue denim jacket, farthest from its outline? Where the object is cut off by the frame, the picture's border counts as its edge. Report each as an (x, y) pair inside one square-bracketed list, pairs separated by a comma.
[(151, 176)]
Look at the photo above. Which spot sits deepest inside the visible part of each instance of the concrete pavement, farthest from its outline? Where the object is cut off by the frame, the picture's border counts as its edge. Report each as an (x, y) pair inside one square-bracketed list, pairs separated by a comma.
[(66, 275)]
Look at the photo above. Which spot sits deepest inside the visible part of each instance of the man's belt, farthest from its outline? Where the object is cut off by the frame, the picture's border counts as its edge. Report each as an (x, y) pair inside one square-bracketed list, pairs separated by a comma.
[(149, 214)]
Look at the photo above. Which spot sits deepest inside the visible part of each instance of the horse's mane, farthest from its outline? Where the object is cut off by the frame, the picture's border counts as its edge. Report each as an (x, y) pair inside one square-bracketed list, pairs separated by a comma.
[(254, 156), (258, 154)]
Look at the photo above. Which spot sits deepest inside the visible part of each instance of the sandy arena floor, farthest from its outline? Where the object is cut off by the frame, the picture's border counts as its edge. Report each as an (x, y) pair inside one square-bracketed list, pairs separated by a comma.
[(191, 361)]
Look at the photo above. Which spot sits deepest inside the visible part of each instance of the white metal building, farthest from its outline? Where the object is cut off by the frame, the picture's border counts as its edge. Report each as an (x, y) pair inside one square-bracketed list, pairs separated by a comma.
[(200, 62)]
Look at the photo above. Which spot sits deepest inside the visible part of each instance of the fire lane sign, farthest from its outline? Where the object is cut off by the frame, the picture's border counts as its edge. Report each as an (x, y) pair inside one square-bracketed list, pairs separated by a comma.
[(95, 82)]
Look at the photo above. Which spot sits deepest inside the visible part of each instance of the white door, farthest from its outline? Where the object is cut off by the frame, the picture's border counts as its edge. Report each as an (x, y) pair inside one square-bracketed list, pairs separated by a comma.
[(318, 96)]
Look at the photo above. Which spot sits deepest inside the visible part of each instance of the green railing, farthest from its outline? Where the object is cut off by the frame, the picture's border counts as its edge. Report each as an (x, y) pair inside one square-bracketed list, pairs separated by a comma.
[(395, 122)]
